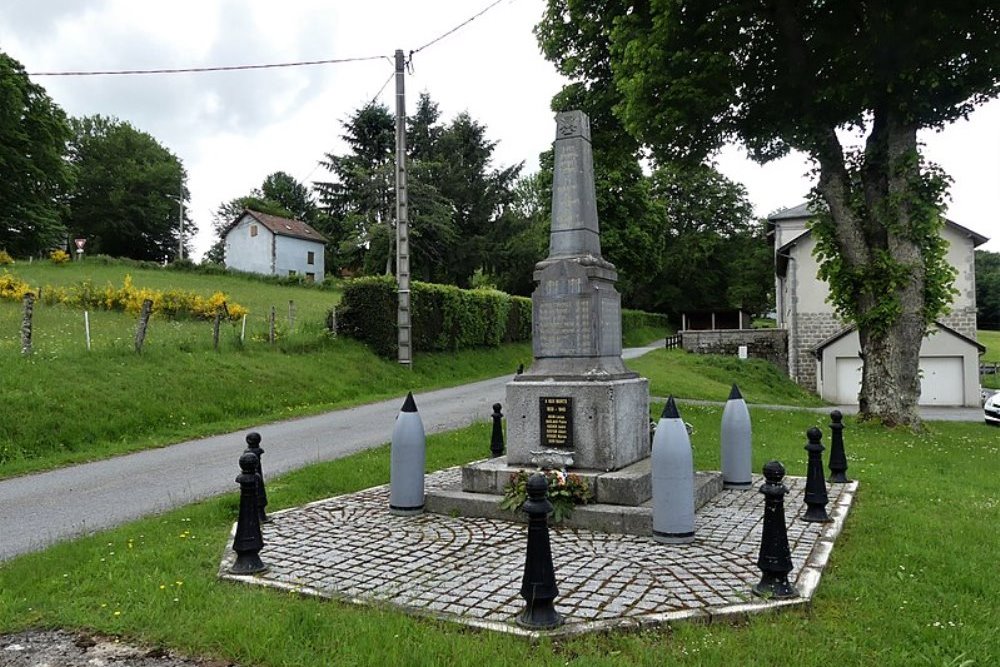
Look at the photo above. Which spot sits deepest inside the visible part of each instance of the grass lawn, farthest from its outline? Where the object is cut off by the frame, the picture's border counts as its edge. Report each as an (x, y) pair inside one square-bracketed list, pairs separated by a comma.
[(710, 377), (911, 581), (310, 302)]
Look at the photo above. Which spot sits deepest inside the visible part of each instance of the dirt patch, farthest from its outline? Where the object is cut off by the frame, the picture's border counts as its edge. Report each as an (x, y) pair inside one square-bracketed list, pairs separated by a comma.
[(58, 648)]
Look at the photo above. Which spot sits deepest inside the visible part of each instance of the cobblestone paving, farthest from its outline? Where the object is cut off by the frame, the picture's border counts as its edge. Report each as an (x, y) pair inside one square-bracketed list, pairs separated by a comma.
[(469, 570)]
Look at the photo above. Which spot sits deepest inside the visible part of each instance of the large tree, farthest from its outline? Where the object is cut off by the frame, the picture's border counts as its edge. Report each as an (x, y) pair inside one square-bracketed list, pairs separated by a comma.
[(712, 254), (126, 198), (34, 174), (360, 200), (779, 75), (455, 195)]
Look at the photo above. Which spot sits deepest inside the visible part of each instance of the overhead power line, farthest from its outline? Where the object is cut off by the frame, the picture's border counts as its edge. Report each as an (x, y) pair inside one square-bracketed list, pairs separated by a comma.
[(458, 27), (236, 68), (226, 68)]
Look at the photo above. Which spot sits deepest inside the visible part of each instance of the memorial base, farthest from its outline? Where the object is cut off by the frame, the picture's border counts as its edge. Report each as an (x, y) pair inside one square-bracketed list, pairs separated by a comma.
[(607, 427), (600, 516)]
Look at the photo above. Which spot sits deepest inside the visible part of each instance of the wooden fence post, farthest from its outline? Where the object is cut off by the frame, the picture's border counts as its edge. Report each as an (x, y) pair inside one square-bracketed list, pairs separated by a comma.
[(29, 310), (270, 333), (140, 330)]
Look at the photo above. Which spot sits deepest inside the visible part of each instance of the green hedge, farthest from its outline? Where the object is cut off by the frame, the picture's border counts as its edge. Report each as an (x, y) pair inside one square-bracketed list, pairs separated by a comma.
[(640, 319), (445, 317)]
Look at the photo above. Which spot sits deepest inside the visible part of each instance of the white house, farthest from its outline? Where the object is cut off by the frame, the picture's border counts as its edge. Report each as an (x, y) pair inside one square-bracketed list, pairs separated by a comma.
[(823, 352), (261, 243)]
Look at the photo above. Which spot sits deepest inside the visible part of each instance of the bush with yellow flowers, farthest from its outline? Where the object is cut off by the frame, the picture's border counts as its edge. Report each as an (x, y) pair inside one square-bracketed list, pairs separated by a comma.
[(5, 258), (172, 304), (59, 256), (12, 288)]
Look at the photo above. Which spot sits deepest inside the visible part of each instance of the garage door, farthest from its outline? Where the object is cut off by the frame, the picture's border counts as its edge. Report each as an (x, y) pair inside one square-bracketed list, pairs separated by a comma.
[(942, 381), (848, 380)]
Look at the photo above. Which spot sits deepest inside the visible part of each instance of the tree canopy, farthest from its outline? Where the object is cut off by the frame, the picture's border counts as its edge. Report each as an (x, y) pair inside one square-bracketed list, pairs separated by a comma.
[(126, 199), (35, 176), (690, 75), (455, 195)]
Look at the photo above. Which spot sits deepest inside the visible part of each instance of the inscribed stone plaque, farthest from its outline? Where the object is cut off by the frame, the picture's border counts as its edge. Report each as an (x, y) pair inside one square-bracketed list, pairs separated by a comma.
[(556, 421)]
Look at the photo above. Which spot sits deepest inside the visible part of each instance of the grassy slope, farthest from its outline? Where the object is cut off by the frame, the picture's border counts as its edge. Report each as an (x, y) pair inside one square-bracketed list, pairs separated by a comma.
[(66, 405), (711, 377), (72, 405), (909, 583), (311, 304)]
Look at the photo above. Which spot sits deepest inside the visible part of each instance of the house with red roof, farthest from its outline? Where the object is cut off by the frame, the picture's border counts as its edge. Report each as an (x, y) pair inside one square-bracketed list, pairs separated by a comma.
[(274, 246)]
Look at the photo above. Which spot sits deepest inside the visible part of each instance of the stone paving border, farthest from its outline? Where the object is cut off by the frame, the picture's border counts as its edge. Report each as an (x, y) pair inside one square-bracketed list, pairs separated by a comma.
[(468, 571)]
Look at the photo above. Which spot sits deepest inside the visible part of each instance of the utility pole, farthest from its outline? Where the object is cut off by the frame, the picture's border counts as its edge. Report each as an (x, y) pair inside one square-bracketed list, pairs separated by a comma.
[(402, 226), (180, 217)]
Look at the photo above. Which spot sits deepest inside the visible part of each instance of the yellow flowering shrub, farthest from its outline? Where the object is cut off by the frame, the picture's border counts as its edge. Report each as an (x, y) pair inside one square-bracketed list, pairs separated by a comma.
[(173, 304), (59, 256), (12, 288), (5, 258)]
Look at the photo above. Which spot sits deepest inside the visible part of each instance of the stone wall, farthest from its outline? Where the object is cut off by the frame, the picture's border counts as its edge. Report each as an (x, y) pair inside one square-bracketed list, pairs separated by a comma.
[(962, 320), (769, 344), (811, 329)]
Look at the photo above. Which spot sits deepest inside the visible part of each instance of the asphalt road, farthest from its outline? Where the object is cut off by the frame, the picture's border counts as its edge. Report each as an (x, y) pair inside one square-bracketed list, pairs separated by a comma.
[(38, 510)]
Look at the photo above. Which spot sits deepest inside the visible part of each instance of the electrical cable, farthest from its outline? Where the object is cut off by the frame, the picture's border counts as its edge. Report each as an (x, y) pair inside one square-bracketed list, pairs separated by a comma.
[(227, 68), (456, 28), (301, 63), (376, 95)]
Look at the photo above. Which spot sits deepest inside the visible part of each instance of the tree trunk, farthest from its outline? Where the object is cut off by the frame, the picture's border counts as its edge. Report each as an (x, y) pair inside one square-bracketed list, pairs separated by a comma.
[(890, 383)]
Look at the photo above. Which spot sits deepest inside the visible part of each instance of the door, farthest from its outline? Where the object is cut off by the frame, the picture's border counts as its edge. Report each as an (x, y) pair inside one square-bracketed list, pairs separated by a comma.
[(942, 381), (848, 380)]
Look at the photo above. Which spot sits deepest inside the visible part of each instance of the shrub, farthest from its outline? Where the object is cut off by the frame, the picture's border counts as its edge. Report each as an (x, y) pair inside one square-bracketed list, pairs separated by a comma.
[(639, 319), (59, 256), (5, 258), (12, 288), (444, 317), (174, 304)]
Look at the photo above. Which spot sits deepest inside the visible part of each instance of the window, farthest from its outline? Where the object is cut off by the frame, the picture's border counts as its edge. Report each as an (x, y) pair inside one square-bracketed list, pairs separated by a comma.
[(310, 277), (253, 230), (291, 272), (310, 257)]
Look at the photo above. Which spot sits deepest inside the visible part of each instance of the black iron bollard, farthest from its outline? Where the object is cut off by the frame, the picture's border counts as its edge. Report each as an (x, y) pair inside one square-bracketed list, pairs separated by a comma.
[(838, 459), (816, 497), (538, 586), (775, 560), (248, 541), (496, 439), (253, 446)]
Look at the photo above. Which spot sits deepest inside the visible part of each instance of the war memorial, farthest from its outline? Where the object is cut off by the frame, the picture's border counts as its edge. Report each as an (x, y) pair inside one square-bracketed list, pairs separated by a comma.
[(659, 543)]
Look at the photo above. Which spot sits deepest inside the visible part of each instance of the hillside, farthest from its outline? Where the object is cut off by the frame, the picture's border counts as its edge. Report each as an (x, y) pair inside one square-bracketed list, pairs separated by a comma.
[(65, 404)]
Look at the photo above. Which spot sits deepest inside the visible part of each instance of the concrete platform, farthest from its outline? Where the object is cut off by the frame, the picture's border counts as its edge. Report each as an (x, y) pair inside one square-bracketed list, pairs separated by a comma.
[(468, 571), (630, 487)]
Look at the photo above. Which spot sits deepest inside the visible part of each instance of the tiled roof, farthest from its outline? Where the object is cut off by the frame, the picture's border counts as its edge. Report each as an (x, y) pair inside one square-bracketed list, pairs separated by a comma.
[(283, 226), (800, 211)]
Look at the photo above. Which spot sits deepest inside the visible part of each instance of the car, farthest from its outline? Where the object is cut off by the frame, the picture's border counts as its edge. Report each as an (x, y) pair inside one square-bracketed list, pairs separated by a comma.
[(991, 410)]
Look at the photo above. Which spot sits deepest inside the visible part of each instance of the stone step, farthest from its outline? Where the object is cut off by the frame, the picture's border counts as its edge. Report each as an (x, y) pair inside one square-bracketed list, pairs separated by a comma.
[(601, 517)]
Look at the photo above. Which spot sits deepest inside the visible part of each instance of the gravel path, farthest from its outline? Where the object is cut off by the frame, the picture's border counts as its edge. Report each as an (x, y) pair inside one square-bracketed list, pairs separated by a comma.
[(57, 648)]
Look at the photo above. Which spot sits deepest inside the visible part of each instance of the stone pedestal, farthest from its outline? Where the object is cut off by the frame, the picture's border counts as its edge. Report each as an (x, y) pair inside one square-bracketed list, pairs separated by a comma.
[(605, 424)]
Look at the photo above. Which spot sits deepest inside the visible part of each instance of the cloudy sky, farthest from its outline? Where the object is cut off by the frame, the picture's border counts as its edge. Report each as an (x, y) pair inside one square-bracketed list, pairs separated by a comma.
[(231, 129)]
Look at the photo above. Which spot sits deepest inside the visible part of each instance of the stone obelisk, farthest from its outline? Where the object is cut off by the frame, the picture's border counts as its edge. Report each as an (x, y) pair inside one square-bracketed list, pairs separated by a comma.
[(578, 397)]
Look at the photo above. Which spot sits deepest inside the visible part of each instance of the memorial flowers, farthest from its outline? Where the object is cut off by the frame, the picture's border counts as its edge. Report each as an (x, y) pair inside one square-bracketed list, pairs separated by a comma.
[(566, 491)]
